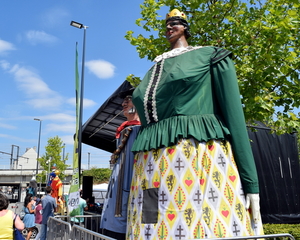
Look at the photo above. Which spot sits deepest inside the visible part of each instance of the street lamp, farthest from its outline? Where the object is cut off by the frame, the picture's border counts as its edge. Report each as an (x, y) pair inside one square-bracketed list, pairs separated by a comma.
[(49, 163), (21, 174), (38, 153), (80, 25)]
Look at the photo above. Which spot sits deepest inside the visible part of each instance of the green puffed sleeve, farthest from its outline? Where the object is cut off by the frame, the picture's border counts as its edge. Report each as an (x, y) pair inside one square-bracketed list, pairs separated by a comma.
[(228, 97)]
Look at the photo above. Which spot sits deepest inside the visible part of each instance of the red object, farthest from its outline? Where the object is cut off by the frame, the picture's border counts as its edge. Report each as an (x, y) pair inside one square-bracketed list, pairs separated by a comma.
[(56, 187), (126, 124)]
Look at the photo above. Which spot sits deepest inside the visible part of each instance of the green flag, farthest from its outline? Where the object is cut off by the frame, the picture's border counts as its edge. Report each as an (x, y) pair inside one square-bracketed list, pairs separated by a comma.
[(74, 196)]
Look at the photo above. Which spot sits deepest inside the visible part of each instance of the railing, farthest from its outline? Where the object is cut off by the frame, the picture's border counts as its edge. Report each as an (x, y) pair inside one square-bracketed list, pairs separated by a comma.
[(79, 233), (274, 236), (58, 229), (91, 221), (61, 228)]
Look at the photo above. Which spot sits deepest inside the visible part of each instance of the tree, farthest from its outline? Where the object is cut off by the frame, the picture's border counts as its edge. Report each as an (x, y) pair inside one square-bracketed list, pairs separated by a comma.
[(53, 157), (264, 38), (99, 175)]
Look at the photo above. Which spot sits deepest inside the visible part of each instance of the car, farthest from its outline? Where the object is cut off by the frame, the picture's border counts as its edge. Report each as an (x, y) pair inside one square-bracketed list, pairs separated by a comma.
[(34, 232)]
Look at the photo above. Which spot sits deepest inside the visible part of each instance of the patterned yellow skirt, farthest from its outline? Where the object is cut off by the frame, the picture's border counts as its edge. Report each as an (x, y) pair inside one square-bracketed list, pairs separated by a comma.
[(188, 191)]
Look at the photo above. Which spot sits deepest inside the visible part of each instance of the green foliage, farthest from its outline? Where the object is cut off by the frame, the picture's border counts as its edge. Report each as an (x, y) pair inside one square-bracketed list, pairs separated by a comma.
[(53, 157), (99, 175), (134, 81), (293, 229), (264, 38)]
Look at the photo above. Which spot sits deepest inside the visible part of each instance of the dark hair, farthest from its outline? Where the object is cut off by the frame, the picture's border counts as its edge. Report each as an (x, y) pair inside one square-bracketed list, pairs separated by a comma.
[(27, 199), (3, 202), (184, 23), (48, 189)]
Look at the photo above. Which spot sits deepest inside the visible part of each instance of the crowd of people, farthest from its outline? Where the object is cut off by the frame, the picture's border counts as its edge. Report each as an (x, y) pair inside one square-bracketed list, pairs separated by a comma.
[(37, 212)]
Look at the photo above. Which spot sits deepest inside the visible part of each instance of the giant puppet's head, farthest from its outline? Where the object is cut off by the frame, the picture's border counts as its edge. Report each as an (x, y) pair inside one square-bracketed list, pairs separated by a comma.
[(174, 15)]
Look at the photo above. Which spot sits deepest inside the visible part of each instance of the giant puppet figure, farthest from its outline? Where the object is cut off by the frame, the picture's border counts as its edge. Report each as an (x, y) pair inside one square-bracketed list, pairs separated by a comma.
[(194, 176), (114, 214)]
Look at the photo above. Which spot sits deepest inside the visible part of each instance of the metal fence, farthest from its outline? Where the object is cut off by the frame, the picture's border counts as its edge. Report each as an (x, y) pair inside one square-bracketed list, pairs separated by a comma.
[(271, 236), (58, 229), (80, 233), (61, 228), (91, 221)]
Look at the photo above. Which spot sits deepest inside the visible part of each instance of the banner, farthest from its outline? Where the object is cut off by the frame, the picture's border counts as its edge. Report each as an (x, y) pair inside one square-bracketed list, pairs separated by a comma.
[(74, 196)]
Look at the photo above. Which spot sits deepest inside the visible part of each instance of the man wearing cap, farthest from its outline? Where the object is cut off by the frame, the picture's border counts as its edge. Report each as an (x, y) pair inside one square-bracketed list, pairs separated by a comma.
[(114, 215)]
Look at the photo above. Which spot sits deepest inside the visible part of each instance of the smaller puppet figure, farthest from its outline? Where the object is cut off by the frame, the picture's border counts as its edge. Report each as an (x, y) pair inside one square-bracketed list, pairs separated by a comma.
[(56, 185), (52, 175)]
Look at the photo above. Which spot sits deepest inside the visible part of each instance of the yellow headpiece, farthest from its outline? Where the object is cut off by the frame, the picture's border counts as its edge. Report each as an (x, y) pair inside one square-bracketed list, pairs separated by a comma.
[(57, 172), (175, 13)]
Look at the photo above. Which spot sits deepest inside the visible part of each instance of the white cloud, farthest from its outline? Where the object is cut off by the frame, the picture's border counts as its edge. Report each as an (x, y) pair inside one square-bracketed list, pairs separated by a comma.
[(50, 103), (67, 127), (86, 102), (68, 139), (15, 138), (4, 65), (36, 37), (61, 117), (7, 126), (102, 69), (31, 84), (6, 46), (54, 17)]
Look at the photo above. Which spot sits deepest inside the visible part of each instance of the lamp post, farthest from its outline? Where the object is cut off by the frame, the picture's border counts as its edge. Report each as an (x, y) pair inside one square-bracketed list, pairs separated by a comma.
[(80, 26), (21, 183), (38, 152), (21, 174), (48, 173), (88, 161)]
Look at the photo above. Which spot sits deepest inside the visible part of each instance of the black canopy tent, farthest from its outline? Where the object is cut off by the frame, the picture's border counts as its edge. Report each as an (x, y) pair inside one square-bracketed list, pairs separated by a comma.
[(277, 163), (99, 130), (276, 158)]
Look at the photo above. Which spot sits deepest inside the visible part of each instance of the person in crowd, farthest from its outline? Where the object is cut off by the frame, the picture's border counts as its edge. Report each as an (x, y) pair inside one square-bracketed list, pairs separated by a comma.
[(114, 214), (32, 188), (60, 205), (194, 164), (8, 220), (29, 218), (38, 216), (49, 207), (82, 207)]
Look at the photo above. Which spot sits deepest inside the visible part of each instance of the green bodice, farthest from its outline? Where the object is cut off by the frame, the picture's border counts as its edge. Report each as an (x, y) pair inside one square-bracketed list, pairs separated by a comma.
[(194, 94)]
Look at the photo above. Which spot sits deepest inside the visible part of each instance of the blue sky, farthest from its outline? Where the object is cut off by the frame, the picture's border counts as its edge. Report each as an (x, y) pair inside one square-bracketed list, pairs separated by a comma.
[(37, 56)]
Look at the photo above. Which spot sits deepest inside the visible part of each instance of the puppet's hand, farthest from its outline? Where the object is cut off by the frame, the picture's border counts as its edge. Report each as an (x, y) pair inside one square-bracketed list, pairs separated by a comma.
[(252, 201)]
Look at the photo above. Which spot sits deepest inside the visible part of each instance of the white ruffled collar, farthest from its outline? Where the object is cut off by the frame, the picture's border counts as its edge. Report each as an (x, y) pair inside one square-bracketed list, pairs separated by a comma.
[(175, 52)]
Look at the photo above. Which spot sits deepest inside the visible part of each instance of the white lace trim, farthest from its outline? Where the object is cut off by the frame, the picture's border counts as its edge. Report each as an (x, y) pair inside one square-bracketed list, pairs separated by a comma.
[(154, 91), (175, 52), (154, 109), (147, 94)]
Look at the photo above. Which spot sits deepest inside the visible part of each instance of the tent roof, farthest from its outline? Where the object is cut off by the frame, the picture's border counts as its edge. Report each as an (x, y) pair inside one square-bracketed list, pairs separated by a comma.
[(100, 187), (99, 130)]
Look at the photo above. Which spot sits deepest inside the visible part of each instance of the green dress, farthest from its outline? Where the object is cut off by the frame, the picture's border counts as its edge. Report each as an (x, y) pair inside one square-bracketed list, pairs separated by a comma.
[(194, 161)]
